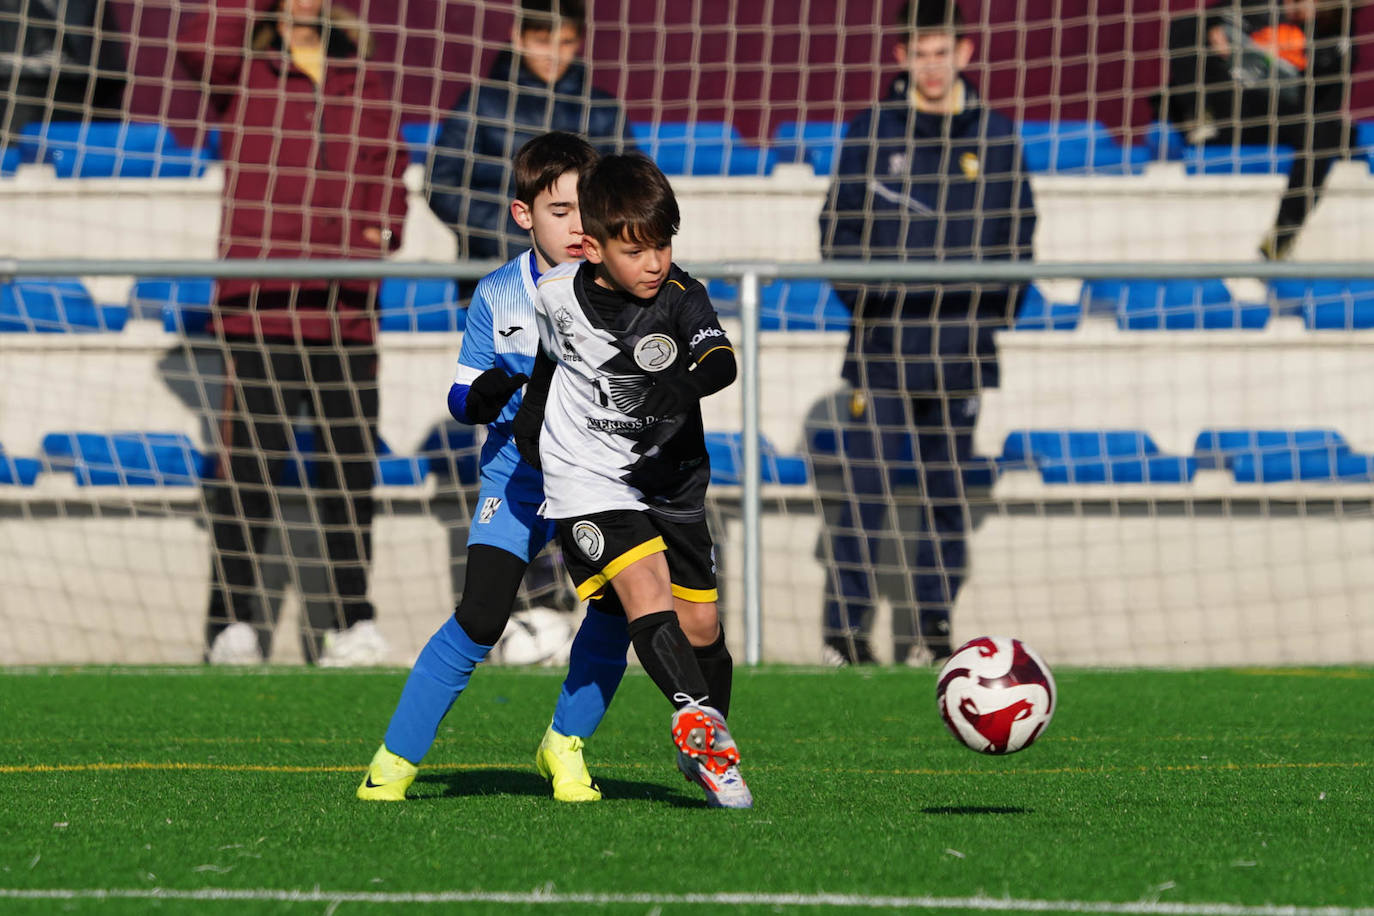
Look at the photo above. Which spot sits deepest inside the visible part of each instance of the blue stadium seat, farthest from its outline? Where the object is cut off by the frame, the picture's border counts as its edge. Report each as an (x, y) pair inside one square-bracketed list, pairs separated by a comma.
[(726, 451), (419, 137), (1340, 305), (801, 305), (111, 149), (183, 303), (1149, 305), (1093, 456), (701, 148), (16, 471), (786, 305), (55, 306), (1078, 147), (420, 305), (9, 160), (1036, 313), (452, 452), (1364, 142), (400, 471), (813, 142), (391, 469), (129, 459), (1274, 455), (823, 439), (1165, 142)]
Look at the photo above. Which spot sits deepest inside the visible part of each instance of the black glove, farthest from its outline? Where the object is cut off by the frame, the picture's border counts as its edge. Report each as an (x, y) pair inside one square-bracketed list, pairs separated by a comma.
[(525, 430), (489, 392), (667, 398)]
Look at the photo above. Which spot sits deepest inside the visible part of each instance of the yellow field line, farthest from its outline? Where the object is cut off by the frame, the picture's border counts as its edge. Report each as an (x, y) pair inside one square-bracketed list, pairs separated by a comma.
[(173, 766)]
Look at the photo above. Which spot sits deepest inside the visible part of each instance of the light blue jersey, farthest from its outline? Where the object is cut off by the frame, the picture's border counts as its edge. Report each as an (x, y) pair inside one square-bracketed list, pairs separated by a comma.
[(501, 332)]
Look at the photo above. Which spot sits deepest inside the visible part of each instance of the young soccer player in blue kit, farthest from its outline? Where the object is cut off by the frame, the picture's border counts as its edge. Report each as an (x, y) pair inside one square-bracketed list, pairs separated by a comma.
[(497, 356)]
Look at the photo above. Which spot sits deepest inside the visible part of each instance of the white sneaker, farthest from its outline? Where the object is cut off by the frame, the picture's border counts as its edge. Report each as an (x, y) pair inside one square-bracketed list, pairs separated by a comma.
[(236, 644), (360, 646), (724, 790)]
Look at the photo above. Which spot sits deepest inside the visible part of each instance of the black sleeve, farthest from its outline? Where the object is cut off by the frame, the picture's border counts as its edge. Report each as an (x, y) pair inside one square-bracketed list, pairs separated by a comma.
[(529, 419), (714, 371)]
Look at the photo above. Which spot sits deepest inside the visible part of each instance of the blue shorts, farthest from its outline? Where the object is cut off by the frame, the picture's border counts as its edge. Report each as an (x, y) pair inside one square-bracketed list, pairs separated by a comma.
[(514, 525)]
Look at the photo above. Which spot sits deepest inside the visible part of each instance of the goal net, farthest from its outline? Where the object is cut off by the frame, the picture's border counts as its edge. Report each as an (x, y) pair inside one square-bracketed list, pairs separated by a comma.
[(1117, 466)]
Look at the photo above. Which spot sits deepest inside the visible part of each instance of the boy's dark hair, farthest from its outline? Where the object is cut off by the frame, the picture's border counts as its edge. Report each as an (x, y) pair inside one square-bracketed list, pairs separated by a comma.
[(548, 157), (930, 15), (628, 197), (544, 15)]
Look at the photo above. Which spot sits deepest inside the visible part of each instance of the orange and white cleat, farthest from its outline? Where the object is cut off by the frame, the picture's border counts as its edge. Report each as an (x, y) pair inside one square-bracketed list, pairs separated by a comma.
[(708, 756)]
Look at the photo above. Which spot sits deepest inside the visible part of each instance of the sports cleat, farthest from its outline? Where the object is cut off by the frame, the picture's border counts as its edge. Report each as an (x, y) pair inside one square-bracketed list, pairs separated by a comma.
[(361, 645), (724, 790), (388, 777), (700, 733), (559, 760), (236, 644)]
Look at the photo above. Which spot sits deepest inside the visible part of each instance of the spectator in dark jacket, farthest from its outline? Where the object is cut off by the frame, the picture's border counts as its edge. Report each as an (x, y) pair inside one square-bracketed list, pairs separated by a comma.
[(928, 174), (313, 164), (59, 61), (1266, 73), (536, 87)]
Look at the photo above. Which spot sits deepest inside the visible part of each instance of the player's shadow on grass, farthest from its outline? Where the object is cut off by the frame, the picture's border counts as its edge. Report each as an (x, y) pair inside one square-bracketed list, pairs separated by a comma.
[(976, 809), (458, 783)]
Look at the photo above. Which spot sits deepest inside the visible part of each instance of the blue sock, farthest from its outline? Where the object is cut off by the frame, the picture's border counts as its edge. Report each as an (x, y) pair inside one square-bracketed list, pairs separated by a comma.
[(440, 674), (595, 667)]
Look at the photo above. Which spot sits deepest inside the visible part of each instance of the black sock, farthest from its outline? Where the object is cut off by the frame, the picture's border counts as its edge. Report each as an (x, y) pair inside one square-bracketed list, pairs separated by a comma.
[(667, 656), (719, 670)]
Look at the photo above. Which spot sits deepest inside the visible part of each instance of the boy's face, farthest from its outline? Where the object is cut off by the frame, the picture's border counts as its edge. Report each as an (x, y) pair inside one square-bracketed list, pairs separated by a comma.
[(548, 53), (553, 222), (934, 59), (628, 266)]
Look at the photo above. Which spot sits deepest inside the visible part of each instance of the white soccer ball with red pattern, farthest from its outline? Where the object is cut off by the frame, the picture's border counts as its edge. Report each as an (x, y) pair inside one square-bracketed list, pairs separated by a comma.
[(996, 695)]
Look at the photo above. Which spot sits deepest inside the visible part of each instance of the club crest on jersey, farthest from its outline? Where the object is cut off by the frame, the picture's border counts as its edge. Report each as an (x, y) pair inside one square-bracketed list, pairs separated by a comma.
[(655, 352), (589, 540), (564, 320)]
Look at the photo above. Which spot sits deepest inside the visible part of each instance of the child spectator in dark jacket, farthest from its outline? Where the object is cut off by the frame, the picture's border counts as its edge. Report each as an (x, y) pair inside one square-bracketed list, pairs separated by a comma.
[(537, 86)]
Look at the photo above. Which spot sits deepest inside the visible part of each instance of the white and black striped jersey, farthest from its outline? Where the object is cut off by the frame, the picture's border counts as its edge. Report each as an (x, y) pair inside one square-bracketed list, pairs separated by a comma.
[(597, 457)]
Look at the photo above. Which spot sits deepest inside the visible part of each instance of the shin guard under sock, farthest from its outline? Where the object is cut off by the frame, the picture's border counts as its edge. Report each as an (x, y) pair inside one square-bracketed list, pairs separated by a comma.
[(668, 658)]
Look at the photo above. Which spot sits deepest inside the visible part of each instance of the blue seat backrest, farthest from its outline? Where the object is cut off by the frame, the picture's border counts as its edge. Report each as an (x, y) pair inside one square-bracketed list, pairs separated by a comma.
[(16, 471), (55, 306), (1077, 147), (1171, 304), (420, 305), (1036, 313), (126, 458), (1065, 456), (726, 453), (182, 303), (1274, 455), (419, 137), (814, 142), (111, 149), (1336, 304), (701, 148)]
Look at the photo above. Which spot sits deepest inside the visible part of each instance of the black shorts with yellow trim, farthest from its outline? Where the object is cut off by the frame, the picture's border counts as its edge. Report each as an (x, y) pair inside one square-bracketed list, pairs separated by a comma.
[(597, 547)]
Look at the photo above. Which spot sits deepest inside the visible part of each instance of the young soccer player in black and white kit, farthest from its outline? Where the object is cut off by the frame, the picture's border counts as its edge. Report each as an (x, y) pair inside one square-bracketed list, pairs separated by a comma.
[(629, 345)]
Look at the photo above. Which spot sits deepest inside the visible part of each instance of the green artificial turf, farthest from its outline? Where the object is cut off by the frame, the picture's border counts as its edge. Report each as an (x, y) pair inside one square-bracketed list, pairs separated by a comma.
[(1244, 789)]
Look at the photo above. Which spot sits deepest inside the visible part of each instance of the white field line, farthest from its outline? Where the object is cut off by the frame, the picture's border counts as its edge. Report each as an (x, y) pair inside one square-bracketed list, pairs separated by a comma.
[(987, 904)]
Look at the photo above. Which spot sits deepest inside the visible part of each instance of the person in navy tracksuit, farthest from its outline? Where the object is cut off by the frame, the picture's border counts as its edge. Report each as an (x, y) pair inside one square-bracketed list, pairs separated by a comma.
[(537, 86), (927, 174)]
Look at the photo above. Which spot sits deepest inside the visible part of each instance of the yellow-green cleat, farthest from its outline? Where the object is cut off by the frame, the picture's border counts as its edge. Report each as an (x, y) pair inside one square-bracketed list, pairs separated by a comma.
[(388, 777), (559, 760)]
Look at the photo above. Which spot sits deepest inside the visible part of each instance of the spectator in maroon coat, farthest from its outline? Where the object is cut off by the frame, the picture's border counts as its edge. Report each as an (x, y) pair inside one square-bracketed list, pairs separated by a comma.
[(313, 167)]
